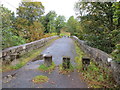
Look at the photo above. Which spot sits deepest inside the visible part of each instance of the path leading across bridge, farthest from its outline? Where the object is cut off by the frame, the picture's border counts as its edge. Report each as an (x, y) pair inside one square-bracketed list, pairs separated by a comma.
[(59, 48)]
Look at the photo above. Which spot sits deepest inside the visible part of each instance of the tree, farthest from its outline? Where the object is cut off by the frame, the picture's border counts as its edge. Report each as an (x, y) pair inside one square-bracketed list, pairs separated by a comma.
[(97, 24), (103, 11), (60, 23), (49, 21), (28, 14), (31, 11), (36, 31), (9, 37), (73, 26), (7, 17)]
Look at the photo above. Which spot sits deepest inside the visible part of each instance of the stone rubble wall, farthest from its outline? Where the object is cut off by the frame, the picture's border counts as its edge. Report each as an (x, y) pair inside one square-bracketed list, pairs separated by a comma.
[(101, 58), (12, 53)]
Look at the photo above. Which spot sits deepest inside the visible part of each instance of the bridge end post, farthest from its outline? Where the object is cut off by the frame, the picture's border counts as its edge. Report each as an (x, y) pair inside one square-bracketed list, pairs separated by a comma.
[(47, 60), (85, 62), (66, 62)]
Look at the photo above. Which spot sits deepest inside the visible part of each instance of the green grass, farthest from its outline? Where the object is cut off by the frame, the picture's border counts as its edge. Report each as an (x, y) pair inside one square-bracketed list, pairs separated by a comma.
[(40, 79), (17, 66), (99, 77), (25, 58), (64, 34), (78, 58), (49, 69), (95, 76), (65, 71)]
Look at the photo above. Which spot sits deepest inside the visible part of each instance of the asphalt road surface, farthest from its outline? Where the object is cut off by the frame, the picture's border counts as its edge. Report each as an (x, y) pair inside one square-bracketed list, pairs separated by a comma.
[(22, 78)]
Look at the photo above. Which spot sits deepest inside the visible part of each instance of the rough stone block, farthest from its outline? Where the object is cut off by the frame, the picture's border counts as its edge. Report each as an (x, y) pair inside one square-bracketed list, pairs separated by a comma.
[(14, 56), (4, 53), (85, 62), (116, 71), (66, 62), (13, 50), (47, 60)]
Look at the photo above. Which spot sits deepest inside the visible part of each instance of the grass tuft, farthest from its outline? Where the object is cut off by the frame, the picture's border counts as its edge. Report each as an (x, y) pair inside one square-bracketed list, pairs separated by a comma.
[(65, 71), (48, 69), (40, 79)]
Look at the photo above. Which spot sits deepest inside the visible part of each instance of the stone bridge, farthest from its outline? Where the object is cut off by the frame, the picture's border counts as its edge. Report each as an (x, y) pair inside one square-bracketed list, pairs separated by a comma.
[(101, 58)]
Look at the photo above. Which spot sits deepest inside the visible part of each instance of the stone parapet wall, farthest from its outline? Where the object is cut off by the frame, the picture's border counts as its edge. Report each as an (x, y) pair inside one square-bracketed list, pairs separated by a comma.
[(12, 53), (101, 58)]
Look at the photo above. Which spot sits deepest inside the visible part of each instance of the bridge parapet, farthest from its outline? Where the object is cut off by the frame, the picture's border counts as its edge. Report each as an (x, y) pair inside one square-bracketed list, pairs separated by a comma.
[(101, 58), (7, 54)]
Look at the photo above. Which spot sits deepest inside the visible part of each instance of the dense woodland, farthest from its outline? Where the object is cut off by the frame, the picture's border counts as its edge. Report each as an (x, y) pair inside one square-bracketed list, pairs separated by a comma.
[(97, 23)]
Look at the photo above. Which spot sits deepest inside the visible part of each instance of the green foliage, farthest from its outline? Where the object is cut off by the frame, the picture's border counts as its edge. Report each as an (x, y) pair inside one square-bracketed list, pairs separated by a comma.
[(49, 21), (7, 17), (40, 79), (60, 23), (97, 24), (9, 37), (116, 53), (116, 19), (31, 11), (73, 26), (28, 20), (52, 22)]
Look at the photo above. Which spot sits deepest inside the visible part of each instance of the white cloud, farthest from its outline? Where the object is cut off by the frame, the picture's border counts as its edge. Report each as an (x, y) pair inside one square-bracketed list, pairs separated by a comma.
[(61, 7), (11, 4)]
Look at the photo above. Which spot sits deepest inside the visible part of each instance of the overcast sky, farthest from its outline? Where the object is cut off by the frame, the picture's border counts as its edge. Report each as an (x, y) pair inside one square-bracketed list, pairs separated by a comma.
[(61, 7)]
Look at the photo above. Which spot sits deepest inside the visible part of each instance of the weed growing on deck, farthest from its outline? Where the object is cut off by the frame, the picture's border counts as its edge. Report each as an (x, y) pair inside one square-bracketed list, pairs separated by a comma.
[(40, 79), (78, 58), (48, 69), (65, 71)]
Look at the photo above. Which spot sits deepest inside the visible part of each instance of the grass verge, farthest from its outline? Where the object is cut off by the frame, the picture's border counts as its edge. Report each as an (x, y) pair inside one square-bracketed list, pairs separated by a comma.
[(40, 79), (95, 76), (47, 69), (78, 58), (25, 58)]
